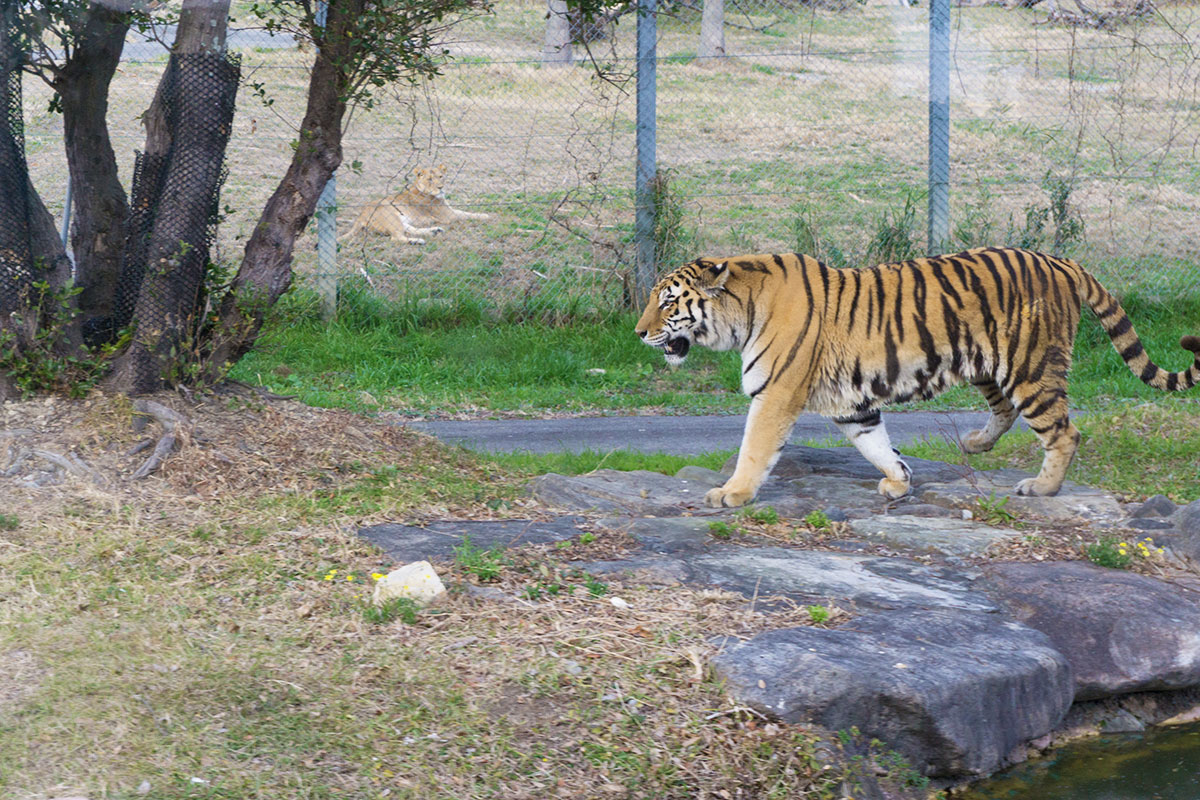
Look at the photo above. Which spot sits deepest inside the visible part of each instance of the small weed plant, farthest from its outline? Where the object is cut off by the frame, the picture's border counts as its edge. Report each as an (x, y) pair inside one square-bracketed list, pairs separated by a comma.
[(994, 510), (537, 591), (46, 361), (767, 515), (720, 529), (1111, 552), (895, 236), (9, 522), (818, 614), (397, 608), (818, 520), (486, 565)]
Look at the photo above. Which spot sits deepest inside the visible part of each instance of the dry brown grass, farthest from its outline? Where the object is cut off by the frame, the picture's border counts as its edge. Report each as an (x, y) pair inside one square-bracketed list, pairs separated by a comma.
[(179, 631)]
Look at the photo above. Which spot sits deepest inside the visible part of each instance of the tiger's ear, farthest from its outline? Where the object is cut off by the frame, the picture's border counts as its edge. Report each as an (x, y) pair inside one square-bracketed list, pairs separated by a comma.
[(715, 274)]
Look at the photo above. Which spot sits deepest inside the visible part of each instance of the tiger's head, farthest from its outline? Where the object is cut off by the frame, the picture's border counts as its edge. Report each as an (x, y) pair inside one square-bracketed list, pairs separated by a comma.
[(679, 312)]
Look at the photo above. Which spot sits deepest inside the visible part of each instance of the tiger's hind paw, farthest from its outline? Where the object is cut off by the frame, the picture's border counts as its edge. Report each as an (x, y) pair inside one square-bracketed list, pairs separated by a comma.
[(724, 497), (977, 442)]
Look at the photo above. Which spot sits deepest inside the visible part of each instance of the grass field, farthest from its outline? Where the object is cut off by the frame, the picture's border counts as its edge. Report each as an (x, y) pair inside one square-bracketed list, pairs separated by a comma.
[(460, 362), (817, 113)]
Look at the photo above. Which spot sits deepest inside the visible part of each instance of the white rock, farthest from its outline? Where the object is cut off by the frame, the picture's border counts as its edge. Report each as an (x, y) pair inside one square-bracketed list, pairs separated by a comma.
[(417, 581), (619, 603)]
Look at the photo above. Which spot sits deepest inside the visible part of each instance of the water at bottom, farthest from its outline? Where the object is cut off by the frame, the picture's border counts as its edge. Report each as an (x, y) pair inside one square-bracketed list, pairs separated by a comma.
[(1157, 765)]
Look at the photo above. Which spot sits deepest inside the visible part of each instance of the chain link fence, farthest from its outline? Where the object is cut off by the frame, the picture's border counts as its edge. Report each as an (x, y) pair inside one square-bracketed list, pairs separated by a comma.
[(1074, 130)]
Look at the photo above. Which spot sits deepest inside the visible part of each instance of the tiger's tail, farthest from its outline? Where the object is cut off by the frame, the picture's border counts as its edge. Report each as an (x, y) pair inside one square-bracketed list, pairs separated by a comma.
[(1127, 343)]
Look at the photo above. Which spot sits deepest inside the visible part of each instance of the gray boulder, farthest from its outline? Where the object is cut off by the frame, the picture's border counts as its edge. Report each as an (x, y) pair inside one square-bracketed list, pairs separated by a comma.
[(953, 691), (1186, 540), (640, 492), (1073, 502), (682, 552), (1121, 632), (796, 461), (1157, 506), (953, 537)]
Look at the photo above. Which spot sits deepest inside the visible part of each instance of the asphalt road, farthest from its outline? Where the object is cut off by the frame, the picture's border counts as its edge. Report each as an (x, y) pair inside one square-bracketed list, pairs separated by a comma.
[(676, 435)]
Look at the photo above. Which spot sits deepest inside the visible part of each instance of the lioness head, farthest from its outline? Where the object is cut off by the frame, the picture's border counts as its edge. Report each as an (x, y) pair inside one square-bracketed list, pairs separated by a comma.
[(678, 312), (429, 180)]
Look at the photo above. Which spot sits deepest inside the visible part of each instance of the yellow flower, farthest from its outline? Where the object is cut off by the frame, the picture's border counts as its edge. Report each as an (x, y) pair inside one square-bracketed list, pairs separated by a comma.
[(349, 577), (376, 576)]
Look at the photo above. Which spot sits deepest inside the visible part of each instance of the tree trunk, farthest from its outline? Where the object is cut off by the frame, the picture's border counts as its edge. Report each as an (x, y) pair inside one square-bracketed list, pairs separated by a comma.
[(101, 209), (712, 29), (191, 118), (30, 250), (557, 48), (266, 269)]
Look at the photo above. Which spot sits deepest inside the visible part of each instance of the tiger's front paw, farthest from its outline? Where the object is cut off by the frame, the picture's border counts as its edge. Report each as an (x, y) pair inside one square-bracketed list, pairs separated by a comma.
[(894, 490), (1036, 487), (725, 497)]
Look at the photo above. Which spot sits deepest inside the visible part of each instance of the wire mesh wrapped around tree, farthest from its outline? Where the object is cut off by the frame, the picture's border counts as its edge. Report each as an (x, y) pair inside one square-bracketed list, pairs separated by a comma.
[(16, 256), (175, 207)]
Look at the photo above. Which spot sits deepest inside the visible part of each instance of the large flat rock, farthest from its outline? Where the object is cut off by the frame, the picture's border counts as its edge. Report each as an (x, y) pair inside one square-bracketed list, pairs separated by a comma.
[(953, 537), (1073, 503), (683, 552), (796, 461), (639, 492), (1122, 632), (953, 691), (791, 492)]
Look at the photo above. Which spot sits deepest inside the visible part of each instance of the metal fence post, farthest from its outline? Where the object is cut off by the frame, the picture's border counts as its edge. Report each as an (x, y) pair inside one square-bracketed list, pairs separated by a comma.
[(645, 267), (939, 125), (327, 279), (65, 230)]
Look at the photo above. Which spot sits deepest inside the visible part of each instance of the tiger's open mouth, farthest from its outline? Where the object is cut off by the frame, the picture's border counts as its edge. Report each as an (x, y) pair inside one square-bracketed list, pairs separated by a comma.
[(677, 348)]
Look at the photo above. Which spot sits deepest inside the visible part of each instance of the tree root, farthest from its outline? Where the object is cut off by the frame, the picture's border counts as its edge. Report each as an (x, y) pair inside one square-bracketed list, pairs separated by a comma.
[(171, 423)]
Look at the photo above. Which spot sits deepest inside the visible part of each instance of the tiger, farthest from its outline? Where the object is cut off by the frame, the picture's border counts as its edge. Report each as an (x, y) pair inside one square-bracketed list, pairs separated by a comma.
[(420, 210), (844, 342)]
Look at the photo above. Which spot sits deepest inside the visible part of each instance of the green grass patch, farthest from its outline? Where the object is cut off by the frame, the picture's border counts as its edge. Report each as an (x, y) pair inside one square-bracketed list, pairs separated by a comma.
[(391, 356), (441, 366), (589, 460)]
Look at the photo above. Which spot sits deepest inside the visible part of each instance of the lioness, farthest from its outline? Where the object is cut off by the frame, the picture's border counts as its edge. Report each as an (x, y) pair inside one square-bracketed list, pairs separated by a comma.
[(420, 210)]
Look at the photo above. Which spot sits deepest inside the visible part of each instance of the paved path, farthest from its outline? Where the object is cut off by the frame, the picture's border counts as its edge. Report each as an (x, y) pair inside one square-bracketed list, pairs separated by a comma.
[(677, 435)]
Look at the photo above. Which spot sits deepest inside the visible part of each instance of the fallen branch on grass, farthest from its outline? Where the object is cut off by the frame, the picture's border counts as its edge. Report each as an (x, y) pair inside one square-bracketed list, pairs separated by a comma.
[(171, 422)]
